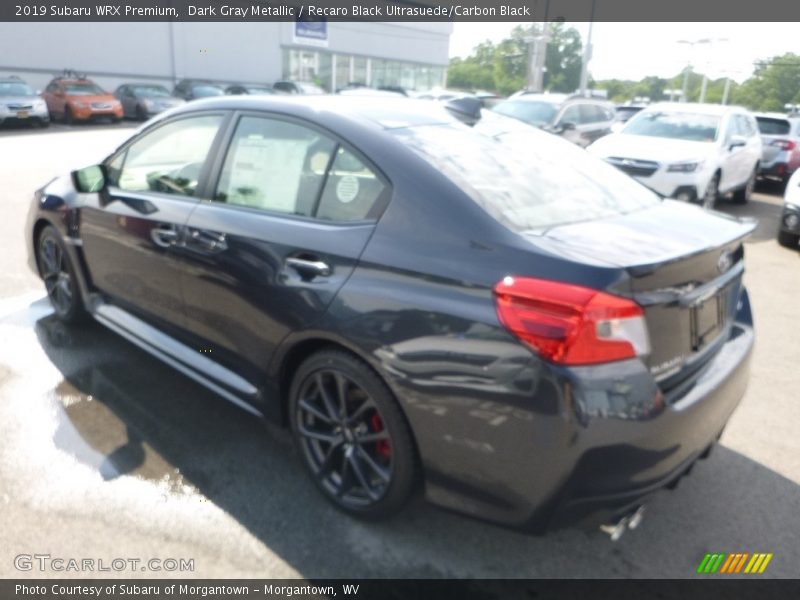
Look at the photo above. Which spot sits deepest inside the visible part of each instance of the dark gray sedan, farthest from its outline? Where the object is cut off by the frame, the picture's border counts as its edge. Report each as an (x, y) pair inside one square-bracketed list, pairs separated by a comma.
[(144, 100)]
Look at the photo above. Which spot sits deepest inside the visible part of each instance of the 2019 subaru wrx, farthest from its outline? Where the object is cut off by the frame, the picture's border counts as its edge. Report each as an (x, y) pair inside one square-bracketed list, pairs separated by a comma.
[(488, 312)]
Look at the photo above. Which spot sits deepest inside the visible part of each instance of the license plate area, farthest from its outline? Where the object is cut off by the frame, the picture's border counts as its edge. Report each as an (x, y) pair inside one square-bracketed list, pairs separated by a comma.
[(22, 114), (707, 320)]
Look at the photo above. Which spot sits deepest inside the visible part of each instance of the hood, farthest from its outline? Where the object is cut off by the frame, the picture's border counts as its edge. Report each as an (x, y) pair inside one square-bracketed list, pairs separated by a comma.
[(92, 98), (26, 100), (643, 147)]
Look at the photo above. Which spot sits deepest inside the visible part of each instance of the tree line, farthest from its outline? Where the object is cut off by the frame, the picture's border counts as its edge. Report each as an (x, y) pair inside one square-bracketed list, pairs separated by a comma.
[(502, 68)]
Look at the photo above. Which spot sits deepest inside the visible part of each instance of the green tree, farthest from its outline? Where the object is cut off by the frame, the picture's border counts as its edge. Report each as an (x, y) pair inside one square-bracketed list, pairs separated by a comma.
[(775, 83)]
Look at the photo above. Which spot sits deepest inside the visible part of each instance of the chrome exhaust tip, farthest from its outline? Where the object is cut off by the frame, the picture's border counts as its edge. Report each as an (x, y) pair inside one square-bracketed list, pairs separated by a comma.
[(630, 521)]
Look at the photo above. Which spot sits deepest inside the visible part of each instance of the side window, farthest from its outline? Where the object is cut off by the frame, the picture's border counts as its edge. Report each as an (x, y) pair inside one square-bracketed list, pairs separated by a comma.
[(275, 166), (572, 114), (167, 160), (351, 189), (591, 113)]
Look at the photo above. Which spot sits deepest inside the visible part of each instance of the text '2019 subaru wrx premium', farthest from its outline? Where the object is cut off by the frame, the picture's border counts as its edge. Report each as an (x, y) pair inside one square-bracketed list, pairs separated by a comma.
[(486, 313)]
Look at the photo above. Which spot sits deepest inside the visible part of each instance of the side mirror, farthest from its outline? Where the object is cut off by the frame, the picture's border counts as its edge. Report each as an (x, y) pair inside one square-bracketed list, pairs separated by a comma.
[(737, 141), (90, 180), (564, 126), (466, 109)]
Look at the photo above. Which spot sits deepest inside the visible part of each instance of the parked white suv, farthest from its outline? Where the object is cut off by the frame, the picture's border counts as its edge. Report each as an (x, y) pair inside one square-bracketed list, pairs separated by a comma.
[(691, 152)]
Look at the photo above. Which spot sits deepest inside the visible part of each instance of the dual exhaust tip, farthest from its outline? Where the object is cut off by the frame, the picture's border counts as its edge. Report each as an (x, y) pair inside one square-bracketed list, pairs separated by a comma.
[(629, 521)]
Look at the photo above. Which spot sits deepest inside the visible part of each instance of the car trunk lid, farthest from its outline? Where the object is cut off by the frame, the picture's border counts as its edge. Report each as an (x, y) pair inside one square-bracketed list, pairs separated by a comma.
[(684, 267)]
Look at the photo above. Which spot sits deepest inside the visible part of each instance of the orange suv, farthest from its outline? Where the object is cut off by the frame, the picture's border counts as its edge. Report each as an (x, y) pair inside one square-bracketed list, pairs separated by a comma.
[(75, 98)]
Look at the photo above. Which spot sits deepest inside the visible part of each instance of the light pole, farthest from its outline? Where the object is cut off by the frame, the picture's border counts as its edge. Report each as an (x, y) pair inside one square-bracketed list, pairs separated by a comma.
[(704, 87), (692, 44), (587, 54)]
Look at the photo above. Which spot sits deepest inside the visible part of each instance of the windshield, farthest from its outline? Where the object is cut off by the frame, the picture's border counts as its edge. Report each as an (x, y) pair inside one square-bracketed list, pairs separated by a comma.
[(525, 178), (692, 127), (535, 113), (259, 90), (15, 89), (204, 91), (768, 126), (84, 89), (150, 91)]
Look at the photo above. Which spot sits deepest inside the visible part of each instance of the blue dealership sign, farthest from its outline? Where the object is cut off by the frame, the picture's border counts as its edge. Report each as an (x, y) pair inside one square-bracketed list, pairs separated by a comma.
[(314, 33)]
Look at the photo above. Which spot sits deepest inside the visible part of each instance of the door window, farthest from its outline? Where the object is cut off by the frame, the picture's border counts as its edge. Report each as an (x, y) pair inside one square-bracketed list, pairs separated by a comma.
[(169, 159), (572, 114), (283, 167)]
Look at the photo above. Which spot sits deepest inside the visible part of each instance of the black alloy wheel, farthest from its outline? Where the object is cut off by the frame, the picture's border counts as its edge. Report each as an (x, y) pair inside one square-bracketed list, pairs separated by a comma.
[(352, 435), (59, 276)]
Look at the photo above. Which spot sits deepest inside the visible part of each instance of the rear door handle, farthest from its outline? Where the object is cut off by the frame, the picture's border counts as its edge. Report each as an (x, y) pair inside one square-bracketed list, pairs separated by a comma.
[(209, 241), (309, 266)]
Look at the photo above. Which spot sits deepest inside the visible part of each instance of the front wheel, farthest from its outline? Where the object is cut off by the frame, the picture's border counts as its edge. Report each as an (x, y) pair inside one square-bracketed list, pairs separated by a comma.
[(743, 195), (58, 274), (709, 198), (352, 435)]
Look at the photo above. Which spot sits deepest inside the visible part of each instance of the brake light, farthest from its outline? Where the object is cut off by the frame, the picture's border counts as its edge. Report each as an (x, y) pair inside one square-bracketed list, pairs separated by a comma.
[(570, 324), (784, 144)]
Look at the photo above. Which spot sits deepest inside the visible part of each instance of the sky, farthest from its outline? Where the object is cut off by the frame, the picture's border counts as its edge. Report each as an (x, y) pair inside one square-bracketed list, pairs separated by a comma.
[(635, 50)]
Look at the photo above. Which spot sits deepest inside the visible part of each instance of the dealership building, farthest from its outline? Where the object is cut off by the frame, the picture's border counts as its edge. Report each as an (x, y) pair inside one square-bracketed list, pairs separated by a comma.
[(331, 54)]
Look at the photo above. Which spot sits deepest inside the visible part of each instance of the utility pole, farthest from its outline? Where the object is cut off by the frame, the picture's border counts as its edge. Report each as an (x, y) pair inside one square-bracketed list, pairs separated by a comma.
[(727, 90), (537, 53)]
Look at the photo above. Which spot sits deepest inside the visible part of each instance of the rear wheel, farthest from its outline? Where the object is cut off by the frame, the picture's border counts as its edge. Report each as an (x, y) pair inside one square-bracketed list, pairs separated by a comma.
[(743, 195), (790, 240), (352, 435), (59, 276), (709, 198)]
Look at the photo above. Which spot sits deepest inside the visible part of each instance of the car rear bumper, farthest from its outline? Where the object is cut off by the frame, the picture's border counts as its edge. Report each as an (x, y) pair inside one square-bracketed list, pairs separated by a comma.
[(597, 441)]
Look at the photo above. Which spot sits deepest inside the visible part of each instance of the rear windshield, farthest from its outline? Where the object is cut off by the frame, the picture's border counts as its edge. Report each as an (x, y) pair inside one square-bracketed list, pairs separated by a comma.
[(769, 126), (626, 112), (693, 127), (526, 179), (535, 113), (203, 91)]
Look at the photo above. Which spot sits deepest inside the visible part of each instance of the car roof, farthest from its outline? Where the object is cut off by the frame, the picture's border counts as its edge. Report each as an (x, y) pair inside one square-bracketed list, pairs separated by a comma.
[(696, 107), (386, 113)]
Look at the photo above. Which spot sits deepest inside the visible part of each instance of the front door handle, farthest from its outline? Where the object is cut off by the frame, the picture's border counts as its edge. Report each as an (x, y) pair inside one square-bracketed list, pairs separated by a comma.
[(164, 235), (308, 266)]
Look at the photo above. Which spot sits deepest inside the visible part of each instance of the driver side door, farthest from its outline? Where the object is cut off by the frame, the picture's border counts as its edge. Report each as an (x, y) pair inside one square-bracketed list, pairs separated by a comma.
[(133, 231)]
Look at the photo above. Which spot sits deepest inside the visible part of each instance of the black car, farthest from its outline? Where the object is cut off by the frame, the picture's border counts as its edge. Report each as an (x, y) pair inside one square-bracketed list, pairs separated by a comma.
[(193, 89), (143, 100), (487, 312), (302, 88)]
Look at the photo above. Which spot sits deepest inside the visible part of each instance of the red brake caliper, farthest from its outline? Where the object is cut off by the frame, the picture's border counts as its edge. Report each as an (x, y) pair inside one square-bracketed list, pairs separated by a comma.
[(381, 446)]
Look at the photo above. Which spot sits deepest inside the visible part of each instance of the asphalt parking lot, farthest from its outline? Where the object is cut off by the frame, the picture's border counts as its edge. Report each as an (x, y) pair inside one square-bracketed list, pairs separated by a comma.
[(107, 453)]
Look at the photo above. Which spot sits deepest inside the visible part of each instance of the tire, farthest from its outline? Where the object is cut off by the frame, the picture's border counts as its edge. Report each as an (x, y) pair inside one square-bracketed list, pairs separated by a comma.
[(789, 240), (743, 194), (44, 124), (58, 274), (140, 114), (709, 198), (68, 118), (365, 466)]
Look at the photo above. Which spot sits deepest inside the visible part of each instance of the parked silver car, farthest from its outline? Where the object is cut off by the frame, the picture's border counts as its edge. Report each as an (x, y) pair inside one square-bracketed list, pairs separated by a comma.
[(781, 145), (20, 104)]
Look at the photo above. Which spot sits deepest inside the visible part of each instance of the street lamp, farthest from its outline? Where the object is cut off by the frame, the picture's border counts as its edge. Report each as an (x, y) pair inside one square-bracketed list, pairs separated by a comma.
[(692, 44)]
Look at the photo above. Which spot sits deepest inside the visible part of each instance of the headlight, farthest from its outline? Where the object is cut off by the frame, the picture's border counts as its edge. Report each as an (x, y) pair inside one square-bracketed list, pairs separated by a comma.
[(149, 104), (40, 105), (685, 167)]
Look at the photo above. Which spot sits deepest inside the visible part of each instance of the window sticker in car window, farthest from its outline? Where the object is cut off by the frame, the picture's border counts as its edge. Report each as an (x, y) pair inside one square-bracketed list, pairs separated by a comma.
[(347, 189), (266, 172)]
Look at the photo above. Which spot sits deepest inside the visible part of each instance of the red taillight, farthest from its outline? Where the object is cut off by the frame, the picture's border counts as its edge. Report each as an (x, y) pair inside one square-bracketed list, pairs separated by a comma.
[(570, 324), (784, 144)]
